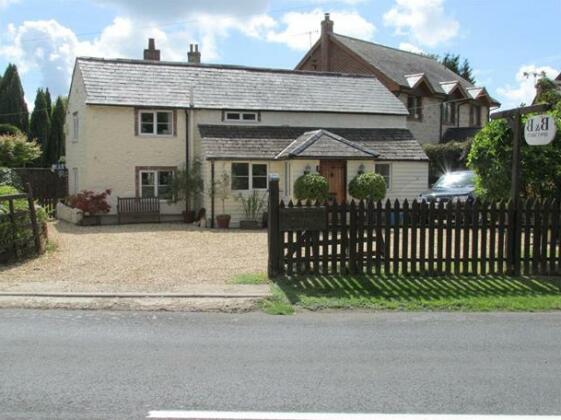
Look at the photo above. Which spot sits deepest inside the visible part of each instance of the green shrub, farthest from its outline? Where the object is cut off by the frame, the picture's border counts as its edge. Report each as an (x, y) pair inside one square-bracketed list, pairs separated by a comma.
[(446, 157), (23, 232), (368, 186), (16, 150), (312, 187), (10, 177), (10, 130)]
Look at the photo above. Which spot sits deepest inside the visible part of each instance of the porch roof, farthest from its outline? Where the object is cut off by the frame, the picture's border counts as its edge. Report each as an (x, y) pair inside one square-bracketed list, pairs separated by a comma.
[(230, 142), (324, 144)]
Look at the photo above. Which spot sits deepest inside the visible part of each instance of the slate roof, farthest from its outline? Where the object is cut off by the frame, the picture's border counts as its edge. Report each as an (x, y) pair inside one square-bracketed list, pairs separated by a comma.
[(324, 144), (166, 84), (267, 142), (459, 133), (397, 64)]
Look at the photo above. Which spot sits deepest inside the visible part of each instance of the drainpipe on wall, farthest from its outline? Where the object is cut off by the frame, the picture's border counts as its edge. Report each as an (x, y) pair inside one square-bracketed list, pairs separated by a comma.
[(187, 120), (212, 194), (441, 122)]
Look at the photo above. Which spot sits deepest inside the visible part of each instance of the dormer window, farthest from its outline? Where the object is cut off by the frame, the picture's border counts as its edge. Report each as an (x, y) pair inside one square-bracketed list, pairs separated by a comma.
[(237, 116), (449, 113), (415, 107)]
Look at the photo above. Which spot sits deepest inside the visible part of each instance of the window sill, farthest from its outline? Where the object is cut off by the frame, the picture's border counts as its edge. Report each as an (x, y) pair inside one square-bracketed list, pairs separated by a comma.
[(156, 136)]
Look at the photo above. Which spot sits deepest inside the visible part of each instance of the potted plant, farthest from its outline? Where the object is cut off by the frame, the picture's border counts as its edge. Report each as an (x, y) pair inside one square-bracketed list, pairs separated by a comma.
[(253, 205), (186, 184), (368, 186), (313, 187), (92, 204), (221, 190)]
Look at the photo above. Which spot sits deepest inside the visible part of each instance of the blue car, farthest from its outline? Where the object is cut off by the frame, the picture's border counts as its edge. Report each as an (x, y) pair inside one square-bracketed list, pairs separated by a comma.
[(455, 186)]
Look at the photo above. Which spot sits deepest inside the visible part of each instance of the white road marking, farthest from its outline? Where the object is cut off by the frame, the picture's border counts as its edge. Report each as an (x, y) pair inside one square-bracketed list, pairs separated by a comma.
[(257, 415)]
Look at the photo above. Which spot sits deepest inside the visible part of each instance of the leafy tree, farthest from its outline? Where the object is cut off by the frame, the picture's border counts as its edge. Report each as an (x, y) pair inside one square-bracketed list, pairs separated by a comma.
[(55, 146), (491, 158), (17, 151), (13, 109), (41, 123)]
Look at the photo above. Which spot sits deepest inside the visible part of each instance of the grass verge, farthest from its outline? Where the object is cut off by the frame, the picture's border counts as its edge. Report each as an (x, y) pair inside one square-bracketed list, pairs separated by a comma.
[(278, 303), (250, 278), (418, 293)]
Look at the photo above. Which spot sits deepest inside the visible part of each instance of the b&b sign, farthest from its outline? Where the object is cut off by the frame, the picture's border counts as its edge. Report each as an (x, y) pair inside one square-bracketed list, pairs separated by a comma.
[(540, 130)]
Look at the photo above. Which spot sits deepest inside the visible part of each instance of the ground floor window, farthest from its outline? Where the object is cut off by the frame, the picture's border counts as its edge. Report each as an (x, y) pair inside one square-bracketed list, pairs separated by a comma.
[(156, 183), (384, 169), (248, 176)]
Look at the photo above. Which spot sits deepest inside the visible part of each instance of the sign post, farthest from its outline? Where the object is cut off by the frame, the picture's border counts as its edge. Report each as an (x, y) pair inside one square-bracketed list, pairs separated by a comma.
[(514, 116)]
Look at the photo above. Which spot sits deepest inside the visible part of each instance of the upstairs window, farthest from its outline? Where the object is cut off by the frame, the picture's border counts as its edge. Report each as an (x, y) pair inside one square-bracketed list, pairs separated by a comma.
[(415, 107), (384, 169), (475, 116), (241, 116), (155, 123), (449, 113), (249, 176), (75, 126)]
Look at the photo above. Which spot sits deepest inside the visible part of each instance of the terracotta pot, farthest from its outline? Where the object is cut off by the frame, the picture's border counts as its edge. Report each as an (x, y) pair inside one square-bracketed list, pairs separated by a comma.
[(223, 221), (189, 216)]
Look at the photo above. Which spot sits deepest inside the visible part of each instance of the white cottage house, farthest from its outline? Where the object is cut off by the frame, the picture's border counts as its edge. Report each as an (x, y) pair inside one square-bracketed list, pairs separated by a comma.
[(132, 123)]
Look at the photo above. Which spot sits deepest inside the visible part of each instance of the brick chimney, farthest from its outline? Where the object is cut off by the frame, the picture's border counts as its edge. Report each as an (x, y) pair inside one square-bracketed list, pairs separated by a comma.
[(194, 55), (151, 53), (326, 30)]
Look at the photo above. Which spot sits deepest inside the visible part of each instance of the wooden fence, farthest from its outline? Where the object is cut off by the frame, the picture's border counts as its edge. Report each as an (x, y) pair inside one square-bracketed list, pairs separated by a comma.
[(414, 238), (49, 187), (19, 231)]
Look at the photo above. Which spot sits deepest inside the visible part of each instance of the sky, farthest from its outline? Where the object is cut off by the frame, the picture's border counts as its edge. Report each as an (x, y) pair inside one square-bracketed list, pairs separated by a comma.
[(506, 41)]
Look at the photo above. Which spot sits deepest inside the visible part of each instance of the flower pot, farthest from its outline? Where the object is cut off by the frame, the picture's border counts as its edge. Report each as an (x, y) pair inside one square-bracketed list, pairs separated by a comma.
[(189, 216), (249, 224), (223, 221), (91, 220)]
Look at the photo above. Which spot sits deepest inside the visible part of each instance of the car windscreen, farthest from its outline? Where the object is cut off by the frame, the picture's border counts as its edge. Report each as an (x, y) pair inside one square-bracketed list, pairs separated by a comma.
[(454, 180)]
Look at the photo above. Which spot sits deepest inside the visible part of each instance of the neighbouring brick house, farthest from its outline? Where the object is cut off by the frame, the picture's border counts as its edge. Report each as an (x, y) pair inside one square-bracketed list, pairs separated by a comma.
[(442, 105), (132, 123)]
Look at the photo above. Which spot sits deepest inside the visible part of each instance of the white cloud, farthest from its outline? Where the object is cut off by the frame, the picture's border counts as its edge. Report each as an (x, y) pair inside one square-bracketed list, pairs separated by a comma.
[(303, 28), (6, 3), (406, 46), (423, 21), (524, 91)]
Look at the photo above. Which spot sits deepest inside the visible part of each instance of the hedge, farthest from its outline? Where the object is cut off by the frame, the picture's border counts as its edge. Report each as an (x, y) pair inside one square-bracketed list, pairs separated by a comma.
[(446, 157)]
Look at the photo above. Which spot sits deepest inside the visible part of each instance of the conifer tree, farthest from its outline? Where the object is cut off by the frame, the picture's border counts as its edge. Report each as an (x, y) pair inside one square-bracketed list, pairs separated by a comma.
[(40, 123), (55, 148), (13, 109)]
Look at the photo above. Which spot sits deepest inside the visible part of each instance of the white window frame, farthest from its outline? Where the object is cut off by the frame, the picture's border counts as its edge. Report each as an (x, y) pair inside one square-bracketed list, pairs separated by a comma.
[(155, 113), (390, 166), (75, 127), (75, 181), (156, 173), (241, 117), (250, 175)]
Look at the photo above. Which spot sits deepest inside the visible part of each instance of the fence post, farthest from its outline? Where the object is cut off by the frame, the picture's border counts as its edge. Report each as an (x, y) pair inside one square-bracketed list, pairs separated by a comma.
[(273, 228), (33, 217)]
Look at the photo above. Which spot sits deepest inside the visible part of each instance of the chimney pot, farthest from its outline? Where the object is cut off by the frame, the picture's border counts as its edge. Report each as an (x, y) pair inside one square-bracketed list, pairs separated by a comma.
[(151, 53), (194, 55)]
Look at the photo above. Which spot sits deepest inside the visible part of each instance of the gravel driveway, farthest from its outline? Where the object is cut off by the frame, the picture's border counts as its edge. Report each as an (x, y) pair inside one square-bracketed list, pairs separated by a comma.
[(138, 258)]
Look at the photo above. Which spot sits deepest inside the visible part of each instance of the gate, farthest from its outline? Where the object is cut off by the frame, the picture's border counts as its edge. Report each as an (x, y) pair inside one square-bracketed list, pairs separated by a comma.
[(413, 238)]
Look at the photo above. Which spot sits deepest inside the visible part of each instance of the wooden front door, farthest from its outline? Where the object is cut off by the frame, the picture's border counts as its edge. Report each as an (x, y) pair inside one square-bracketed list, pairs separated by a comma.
[(335, 171)]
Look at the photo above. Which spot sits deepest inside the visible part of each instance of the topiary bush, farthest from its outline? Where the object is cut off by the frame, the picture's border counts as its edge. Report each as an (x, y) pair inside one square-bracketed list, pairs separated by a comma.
[(368, 186), (312, 187)]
